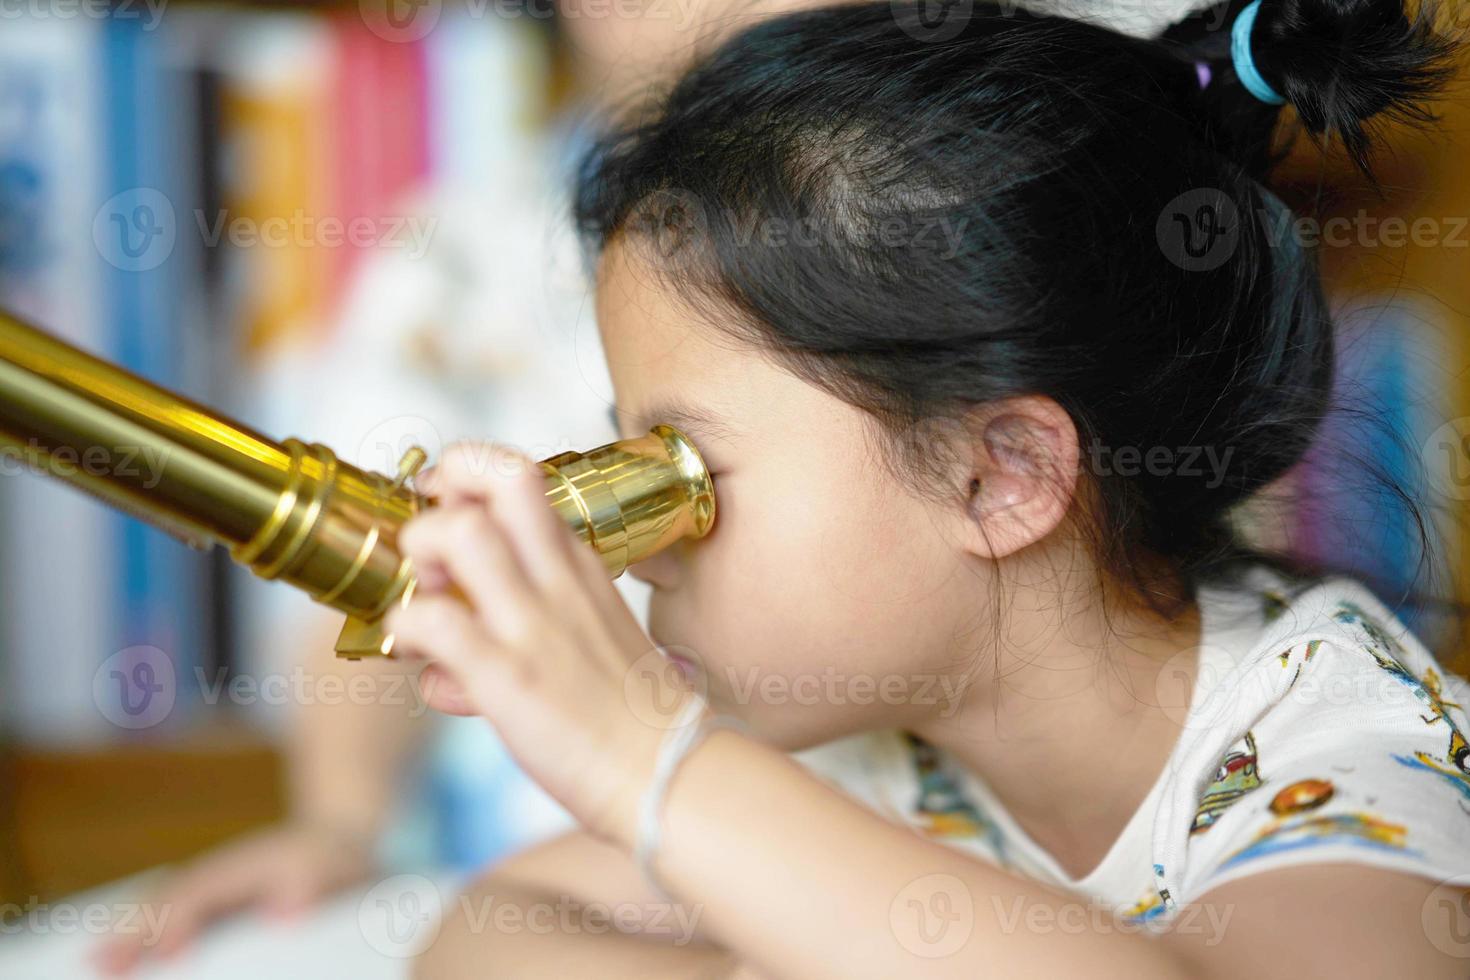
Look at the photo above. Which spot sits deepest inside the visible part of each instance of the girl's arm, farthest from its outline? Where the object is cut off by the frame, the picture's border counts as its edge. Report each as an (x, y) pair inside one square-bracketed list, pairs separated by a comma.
[(465, 951), (803, 882), (953, 917), (544, 912)]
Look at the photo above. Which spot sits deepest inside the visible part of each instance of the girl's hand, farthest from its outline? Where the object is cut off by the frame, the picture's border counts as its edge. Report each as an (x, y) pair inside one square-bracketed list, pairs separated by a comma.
[(544, 647), (282, 870)]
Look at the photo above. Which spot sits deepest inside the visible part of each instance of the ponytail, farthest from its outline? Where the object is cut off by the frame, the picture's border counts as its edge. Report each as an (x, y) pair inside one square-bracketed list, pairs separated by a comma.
[(1343, 65)]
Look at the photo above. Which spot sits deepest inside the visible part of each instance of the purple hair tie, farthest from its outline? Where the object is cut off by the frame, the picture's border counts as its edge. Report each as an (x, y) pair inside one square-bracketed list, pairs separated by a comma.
[(1202, 71)]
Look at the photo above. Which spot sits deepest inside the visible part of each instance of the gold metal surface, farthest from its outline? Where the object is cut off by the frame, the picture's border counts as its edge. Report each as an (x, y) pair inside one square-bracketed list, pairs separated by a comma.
[(292, 510)]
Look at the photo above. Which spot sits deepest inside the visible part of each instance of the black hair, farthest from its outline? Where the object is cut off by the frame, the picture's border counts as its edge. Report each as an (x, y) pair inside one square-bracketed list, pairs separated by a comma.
[(1026, 204)]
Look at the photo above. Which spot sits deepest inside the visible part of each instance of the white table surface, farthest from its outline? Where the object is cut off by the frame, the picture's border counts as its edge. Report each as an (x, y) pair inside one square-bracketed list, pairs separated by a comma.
[(368, 933)]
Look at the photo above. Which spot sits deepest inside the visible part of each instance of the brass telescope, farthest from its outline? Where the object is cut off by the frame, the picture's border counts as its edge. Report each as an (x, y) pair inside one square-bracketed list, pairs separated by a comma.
[(292, 510)]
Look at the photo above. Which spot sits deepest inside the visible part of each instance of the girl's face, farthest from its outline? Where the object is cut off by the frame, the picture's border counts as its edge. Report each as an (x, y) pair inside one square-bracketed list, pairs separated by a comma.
[(827, 598)]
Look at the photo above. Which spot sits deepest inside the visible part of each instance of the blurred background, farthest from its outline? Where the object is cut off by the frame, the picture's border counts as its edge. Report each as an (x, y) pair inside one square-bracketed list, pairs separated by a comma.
[(348, 223)]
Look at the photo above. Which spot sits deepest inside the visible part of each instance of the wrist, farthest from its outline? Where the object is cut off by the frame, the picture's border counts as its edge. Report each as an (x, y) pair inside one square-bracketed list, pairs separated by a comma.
[(692, 726), (348, 830), (644, 744)]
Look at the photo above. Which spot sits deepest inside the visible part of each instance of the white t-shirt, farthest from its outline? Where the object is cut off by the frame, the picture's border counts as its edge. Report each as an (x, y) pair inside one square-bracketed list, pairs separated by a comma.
[(1318, 729)]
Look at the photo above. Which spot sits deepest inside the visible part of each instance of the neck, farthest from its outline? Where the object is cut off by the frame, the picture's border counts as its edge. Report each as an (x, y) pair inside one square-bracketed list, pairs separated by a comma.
[(1074, 719)]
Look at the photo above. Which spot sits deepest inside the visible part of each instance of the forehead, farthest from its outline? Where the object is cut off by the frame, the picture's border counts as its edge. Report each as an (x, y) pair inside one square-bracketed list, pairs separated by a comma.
[(659, 351), (662, 353)]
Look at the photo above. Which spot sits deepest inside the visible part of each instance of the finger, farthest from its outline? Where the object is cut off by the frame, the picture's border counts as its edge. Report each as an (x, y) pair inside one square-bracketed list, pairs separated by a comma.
[(458, 476), (119, 952), (116, 955), (541, 539), (465, 544), (515, 487), (190, 907), (293, 894), (424, 480), (445, 632), (443, 693)]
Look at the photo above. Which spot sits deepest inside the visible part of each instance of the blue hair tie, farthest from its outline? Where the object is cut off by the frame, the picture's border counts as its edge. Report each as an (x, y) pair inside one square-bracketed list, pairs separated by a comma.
[(1245, 65)]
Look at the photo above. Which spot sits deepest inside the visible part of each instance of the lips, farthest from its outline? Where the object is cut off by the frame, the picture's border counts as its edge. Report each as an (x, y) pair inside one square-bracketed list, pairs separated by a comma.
[(687, 667)]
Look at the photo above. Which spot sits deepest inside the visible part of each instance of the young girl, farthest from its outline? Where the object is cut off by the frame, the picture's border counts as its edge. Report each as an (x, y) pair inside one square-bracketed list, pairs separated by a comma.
[(982, 331)]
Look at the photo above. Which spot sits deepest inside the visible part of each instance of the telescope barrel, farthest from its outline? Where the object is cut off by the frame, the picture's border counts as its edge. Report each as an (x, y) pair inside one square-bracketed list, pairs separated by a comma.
[(292, 510)]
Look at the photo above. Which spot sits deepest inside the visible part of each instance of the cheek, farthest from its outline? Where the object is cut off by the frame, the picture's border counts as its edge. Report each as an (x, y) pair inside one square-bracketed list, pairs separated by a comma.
[(806, 584), (874, 556)]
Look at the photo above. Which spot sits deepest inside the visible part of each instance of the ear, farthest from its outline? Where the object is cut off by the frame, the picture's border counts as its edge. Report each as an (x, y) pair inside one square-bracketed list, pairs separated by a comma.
[(1021, 474)]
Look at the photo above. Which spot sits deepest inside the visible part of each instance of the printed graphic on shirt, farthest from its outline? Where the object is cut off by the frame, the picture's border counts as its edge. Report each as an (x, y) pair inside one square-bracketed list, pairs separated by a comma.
[(1235, 777), (1357, 829), (943, 810), (1293, 823), (1239, 772), (1358, 805), (1285, 658), (1453, 766), (1152, 905), (1456, 777), (1146, 909)]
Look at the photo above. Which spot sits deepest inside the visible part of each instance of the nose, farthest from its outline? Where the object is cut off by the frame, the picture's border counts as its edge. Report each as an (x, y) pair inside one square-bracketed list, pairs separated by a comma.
[(661, 569)]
